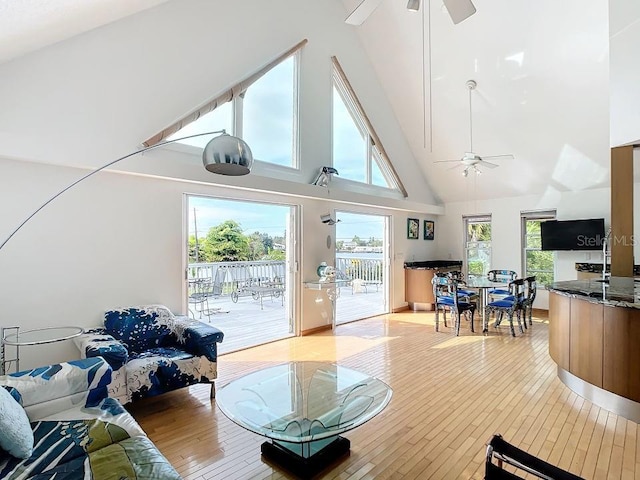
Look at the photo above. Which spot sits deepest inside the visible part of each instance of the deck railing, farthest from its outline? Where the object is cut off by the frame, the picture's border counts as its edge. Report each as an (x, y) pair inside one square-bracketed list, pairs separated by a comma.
[(368, 269), (227, 277)]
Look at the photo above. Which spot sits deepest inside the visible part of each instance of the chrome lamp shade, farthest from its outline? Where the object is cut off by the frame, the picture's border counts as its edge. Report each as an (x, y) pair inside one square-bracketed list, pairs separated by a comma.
[(227, 155)]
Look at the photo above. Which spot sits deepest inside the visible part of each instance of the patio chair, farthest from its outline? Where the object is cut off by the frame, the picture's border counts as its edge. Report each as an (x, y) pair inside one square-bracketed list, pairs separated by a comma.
[(502, 452)]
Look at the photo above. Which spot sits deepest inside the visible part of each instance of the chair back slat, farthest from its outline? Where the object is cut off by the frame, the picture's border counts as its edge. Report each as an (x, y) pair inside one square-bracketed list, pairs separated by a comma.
[(501, 275)]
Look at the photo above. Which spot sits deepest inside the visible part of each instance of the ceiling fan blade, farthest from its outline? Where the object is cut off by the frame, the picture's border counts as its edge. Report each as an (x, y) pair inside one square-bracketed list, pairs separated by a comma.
[(459, 10), (487, 164), (362, 12), (499, 156), (447, 161)]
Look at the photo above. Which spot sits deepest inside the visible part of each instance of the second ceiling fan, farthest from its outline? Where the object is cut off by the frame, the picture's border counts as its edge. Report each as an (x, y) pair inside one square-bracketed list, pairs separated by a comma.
[(459, 10), (470, 160)]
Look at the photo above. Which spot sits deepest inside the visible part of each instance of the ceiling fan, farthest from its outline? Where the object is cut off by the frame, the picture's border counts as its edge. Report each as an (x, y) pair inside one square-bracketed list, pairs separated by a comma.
[(470, 161), (458, 10)]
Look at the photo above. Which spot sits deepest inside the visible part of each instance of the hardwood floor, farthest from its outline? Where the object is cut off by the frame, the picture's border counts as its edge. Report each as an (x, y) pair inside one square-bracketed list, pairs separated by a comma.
[(450, 396)]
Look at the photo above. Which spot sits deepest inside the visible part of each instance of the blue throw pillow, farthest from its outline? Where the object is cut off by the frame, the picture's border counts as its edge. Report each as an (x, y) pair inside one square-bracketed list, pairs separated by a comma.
[(16, 436)]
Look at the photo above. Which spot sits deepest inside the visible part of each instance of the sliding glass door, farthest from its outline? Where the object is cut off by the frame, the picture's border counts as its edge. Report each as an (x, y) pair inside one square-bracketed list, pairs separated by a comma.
[(362, 257), (239, 271)]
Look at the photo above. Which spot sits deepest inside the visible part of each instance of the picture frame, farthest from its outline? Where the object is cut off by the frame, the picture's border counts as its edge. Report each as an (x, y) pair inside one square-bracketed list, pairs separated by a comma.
[(413, 228), (429, 229)]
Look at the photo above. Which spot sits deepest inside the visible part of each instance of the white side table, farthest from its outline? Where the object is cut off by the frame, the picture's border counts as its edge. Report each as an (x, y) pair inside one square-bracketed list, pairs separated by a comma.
[(332, 289), (38, 336)]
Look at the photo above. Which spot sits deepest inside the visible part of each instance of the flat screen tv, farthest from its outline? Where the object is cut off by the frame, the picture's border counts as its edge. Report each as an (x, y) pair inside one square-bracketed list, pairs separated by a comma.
[(572, 234)]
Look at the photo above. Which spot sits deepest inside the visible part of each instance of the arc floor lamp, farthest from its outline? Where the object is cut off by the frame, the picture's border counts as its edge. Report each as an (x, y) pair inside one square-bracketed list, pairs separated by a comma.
[(224, 155)]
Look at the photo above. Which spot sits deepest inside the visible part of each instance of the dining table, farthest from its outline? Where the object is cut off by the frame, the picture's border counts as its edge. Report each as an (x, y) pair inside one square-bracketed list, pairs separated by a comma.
[(483, 285)]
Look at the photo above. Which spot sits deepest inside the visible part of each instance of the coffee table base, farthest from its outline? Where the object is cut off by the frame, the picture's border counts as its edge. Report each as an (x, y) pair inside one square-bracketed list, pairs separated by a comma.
[(306, 467)]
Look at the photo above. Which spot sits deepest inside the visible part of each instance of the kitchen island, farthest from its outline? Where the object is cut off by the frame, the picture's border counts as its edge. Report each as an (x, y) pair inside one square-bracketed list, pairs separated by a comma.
[(594, 338)]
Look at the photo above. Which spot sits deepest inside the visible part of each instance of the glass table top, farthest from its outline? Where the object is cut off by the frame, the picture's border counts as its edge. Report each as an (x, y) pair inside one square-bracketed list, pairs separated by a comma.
[(483, 282), (303, 401), (42, 335)]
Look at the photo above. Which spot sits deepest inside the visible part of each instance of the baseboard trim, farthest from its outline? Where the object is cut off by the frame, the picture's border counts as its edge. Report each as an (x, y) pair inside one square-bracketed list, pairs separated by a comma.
[(603, 398), (401, 309), (540, 312), (312, 331)]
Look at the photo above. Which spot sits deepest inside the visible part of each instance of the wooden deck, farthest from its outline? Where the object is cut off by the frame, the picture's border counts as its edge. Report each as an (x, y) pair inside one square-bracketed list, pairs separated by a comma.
[(451, 394), (245, 324)]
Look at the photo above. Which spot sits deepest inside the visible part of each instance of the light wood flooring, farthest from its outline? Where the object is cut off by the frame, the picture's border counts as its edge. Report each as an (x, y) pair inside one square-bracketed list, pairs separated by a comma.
[(450, 396)]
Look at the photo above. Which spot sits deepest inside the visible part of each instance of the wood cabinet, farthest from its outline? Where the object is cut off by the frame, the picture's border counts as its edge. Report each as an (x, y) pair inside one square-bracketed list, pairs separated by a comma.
[(597, 343), (418, 290), (559, 327)]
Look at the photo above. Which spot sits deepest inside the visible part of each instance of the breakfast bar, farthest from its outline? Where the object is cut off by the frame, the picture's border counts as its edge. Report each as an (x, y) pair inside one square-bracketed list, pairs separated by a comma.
[(594, 335)]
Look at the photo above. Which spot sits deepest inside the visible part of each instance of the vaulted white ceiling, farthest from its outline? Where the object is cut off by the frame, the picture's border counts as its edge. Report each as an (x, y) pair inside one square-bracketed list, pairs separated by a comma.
[(542, 70), (542, 74), (27, 25)]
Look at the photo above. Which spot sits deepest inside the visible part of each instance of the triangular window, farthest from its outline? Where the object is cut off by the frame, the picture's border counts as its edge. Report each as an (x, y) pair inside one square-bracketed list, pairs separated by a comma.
[(261, 109), (357, 152)]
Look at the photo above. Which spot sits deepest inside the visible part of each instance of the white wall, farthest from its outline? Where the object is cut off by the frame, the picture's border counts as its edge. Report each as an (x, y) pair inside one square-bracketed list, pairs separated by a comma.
[(117, 239), (97, 96), (624, 27)]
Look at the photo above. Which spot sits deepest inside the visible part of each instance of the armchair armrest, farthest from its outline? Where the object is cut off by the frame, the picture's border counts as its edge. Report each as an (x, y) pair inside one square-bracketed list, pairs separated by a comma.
[(96, 343), (197, 337), (54, 388)]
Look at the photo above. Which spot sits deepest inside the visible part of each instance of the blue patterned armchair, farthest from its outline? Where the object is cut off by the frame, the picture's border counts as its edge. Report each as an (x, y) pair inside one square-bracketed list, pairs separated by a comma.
[(152, 351)]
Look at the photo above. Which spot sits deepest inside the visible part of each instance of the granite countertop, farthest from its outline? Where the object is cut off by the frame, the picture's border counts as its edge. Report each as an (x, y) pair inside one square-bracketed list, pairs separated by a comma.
[(617, 291), (597, 268), (433, 264)]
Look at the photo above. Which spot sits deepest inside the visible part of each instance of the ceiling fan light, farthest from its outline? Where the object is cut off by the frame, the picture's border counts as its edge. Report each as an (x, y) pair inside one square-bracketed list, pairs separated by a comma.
[(465, 172), (413, 5)]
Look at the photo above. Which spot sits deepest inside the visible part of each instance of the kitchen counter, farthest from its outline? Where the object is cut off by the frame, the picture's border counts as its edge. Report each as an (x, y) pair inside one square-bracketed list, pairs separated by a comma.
[(433, 264), (616, 291), (594, 333), (597, 268)]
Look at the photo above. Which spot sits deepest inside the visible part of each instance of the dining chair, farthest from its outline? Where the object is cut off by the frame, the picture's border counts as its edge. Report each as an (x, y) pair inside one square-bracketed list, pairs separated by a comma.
[(441, 295), (447, 297), (463, 292), (527, 305), (512, 304), (503, 276)]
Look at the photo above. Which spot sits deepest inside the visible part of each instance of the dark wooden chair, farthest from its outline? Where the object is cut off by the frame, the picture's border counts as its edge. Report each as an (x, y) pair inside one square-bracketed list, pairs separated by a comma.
[(447, 297), (500, 452), (504, 276), (527, 305), (511, 305)]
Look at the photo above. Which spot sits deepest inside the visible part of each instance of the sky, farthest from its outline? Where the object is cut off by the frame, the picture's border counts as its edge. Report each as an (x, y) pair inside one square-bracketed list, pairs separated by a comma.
[(272, 219)]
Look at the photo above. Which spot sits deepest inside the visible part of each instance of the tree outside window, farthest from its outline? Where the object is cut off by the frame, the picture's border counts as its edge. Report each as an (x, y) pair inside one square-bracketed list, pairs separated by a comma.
[(535, 261), (478, 245)]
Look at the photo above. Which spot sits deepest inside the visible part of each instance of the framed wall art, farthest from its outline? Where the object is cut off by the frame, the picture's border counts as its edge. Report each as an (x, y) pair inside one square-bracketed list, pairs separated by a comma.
[(413, 228), (429, 229)]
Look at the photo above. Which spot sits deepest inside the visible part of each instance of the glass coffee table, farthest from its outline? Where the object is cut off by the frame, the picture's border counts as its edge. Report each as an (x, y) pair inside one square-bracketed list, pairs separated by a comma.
[(303, 407)]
